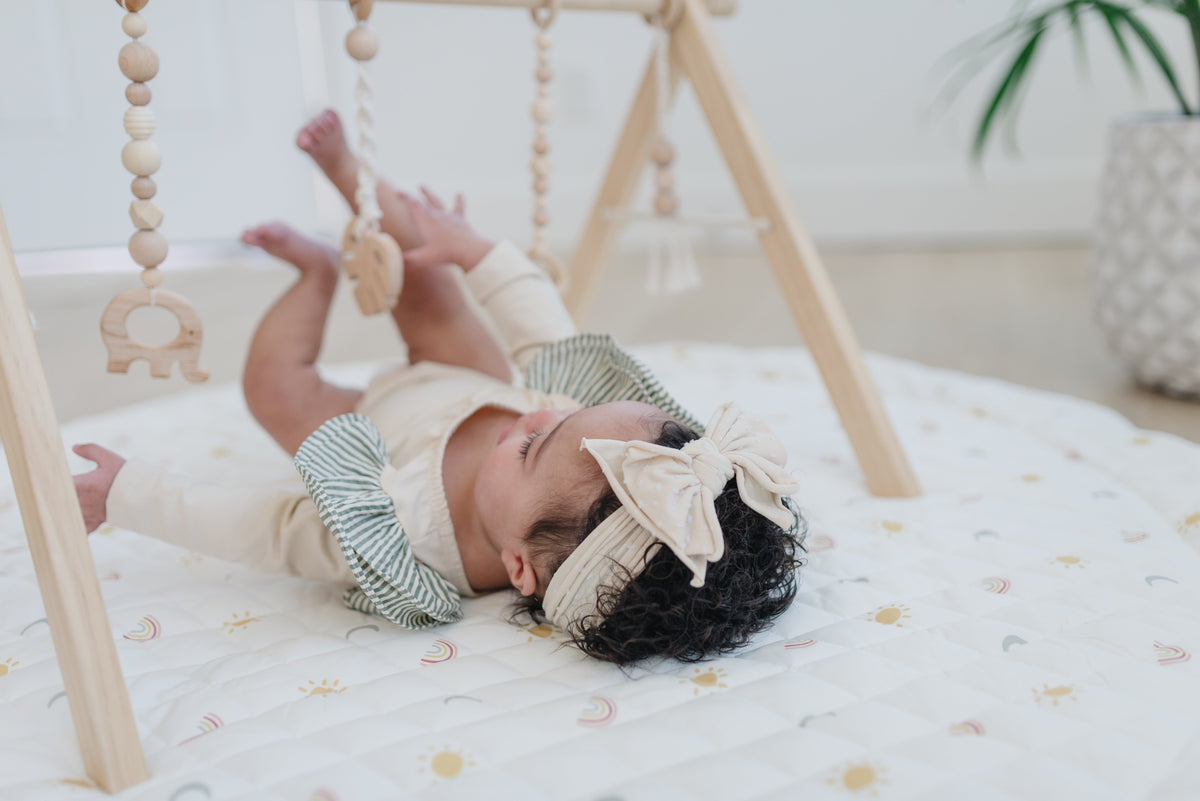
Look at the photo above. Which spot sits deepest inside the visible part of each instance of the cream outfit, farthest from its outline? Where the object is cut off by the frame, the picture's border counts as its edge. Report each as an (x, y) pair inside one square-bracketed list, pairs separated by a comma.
[(415, 407)]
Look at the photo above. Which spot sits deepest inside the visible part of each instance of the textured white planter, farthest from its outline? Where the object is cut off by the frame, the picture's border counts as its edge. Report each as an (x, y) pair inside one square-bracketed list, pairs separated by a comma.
[(1146, 251)]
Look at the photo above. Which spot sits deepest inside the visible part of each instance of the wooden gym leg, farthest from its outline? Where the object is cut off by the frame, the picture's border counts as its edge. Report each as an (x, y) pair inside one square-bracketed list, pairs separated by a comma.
[(66, 574), (798, 269)]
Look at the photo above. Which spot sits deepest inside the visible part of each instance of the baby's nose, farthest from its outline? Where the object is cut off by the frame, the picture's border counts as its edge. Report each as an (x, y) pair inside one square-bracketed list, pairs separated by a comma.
[(542, 418)]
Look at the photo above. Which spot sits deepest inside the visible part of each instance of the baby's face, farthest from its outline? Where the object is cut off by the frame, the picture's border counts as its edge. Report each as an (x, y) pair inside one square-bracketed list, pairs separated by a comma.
[(540, 458)]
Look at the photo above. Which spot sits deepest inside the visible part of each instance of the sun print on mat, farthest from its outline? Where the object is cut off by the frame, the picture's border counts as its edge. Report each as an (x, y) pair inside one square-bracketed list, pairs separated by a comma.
[(540, 631), (446, 762), (322, 689), (241, 623), (1055, 694), (1069, 562), (860, 778), (7, 665), (706, 681), (890, 615)]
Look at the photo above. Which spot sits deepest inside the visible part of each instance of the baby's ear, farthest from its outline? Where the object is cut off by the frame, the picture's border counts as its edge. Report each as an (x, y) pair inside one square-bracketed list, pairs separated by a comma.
[(520, 570)]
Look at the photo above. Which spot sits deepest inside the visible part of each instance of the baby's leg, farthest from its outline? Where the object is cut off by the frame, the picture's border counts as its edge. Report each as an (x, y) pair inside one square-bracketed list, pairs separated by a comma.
[(283, 389), (324, 139), (433, 315)]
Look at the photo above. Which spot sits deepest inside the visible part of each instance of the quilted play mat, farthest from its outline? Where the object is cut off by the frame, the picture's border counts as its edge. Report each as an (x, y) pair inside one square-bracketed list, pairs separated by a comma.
[(1028, 629)]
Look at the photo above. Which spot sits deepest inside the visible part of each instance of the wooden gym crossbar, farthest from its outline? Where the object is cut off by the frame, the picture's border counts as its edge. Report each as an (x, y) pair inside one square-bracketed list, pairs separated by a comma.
[(66, 575)]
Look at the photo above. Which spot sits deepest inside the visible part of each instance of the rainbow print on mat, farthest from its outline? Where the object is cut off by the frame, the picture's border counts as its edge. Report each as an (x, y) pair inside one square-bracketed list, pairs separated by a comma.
[(792, 645), (819, 543), (1170, 654), (996, 584), (323, 794), (209, 722), (970, 727), (599, 713), (148, 628), (440, 651)]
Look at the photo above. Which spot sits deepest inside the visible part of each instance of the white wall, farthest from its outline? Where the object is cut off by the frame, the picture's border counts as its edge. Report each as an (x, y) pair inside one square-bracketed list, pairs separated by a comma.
[(843, 89)]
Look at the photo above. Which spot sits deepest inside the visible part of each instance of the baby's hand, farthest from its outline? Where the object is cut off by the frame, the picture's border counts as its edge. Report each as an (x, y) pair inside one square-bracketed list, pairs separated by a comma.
[(92, 488), (446, 236)]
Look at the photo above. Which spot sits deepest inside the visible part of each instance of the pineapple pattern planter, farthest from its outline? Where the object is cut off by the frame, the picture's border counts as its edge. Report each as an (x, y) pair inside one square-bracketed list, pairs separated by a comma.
[(1146, 251)]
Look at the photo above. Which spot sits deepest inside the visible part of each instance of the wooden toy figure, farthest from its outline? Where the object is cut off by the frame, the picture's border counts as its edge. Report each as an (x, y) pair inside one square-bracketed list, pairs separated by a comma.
[(147, 247), (369, 256)]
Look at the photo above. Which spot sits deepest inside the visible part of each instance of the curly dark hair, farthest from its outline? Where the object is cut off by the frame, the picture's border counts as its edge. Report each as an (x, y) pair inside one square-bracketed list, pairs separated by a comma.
[(658, 613)]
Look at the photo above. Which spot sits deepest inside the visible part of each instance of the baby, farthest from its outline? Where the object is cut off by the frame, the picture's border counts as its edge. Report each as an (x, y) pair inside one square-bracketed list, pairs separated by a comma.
[(447, 476)]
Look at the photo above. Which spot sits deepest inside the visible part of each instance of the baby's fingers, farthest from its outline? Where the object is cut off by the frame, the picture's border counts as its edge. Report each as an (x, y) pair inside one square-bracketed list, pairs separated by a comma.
[(95, 453), (433, 199), (460, 205)]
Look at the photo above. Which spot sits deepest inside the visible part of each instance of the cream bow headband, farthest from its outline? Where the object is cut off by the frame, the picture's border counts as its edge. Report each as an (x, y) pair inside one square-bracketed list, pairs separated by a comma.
[(667, 496)]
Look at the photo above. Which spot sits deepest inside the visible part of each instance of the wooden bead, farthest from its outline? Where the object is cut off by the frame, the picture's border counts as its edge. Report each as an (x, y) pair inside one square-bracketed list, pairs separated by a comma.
[(538, 251), (361, 43), (138, 62), (542, 110), (544, 74), (541, 218), (544, 41), (143, 187), (664, 180), (540, 186), (541, 145), (132, 5), (134, 25), (663, 153), (138, 94), (362, 9), (139, 122), (148, 248), (151, 277), (145, 214), (141, 157), (541, 166), (665, 204)]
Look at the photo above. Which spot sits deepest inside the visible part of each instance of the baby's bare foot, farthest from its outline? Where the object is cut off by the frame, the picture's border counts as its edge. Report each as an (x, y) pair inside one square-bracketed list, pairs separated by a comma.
[(283, 242), (325, 141)]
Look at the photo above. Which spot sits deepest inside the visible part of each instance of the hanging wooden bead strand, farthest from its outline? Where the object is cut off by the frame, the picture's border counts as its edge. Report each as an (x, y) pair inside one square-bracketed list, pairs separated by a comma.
[(369, 256), (672, 262), (540, 164), (148, 247)]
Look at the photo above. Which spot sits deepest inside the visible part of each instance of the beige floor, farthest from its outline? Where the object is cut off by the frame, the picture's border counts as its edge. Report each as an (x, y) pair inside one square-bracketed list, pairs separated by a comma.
[(1020, 314)]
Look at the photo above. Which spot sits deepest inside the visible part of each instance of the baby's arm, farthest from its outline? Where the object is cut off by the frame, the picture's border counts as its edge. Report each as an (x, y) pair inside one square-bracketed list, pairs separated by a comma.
[(517, 295), (269, 528), (433, 314)]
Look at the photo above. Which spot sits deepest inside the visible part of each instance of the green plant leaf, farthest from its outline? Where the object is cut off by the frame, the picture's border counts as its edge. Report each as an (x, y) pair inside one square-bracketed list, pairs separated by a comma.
[(1005, 98), (1150, 42), (1122, 47)]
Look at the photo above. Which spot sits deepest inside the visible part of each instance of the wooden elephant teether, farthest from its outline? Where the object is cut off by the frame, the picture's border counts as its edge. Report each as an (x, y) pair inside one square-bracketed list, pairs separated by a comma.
[(375, 263), (123, 351)]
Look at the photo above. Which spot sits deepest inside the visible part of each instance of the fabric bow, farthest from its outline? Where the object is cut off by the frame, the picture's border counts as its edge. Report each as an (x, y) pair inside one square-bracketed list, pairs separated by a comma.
[(672, 493)]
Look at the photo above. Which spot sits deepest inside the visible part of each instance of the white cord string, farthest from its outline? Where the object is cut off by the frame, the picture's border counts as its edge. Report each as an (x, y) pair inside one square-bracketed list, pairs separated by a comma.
[(662, 74), (369, 213)]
